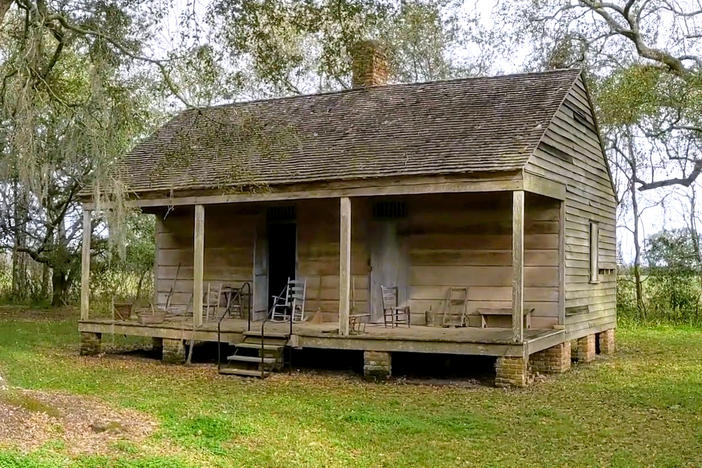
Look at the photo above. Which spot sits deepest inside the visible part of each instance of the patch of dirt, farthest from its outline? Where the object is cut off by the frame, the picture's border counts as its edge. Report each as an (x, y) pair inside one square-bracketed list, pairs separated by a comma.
[(84, 424), (33, 314)]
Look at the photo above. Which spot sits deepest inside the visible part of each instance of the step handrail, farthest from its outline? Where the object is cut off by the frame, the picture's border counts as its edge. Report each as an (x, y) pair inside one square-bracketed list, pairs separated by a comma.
[(238, 294), (263, 342), (263, 348)]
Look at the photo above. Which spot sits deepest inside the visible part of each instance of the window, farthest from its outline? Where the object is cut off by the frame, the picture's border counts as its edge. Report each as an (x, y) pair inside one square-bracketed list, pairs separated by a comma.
[(281, 214), (594, 251), (389, 210)]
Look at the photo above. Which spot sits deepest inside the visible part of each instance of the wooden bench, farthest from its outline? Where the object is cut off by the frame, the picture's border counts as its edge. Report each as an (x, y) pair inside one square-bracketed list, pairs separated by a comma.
[(485, 312)]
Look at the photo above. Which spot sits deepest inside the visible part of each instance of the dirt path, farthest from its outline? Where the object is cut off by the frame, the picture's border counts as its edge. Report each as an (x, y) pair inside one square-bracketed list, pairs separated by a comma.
[(85, 425)]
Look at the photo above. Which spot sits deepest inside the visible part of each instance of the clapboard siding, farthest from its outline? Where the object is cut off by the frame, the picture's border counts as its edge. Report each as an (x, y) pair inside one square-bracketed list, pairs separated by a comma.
[(589, 197), (454, 240), (229, 241), (465, 240), (318, 256)]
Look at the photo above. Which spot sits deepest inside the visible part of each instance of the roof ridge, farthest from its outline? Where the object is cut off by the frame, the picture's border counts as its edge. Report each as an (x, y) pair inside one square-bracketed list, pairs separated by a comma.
[(385, 86)]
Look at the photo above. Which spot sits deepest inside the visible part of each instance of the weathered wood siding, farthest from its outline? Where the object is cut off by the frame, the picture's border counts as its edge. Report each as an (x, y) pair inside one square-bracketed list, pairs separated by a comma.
[(230, 233), (318, 255), (466, 240), (570, 153), (451, 240), (229, 241)]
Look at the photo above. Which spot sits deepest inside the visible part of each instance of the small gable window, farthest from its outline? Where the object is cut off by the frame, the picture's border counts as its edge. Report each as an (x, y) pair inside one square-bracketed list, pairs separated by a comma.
[(594, 251)]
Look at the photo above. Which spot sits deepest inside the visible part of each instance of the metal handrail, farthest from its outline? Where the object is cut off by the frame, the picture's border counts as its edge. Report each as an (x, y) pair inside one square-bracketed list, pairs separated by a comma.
[(219, 341), (239, 294), (263, 348)]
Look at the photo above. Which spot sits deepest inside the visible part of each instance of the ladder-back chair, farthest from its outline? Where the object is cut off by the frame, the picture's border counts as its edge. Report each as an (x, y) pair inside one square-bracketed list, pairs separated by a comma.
[(393, 313), (211, 301), (456, 311)]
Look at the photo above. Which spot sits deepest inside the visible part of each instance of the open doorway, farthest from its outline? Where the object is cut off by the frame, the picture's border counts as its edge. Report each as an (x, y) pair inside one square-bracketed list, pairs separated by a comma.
[(282, 249), (388, 254)]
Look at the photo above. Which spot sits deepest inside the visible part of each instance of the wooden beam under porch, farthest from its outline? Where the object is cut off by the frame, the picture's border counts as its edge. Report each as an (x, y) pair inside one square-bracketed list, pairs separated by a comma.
[(419, 339)]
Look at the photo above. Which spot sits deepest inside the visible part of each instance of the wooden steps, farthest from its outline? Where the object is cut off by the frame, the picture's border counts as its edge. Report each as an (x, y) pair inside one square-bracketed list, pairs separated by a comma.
[(241, 372), (256, 356), (256, 359)]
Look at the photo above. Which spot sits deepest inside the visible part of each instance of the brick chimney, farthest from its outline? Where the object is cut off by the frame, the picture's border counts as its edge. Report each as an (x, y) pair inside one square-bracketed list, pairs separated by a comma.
[(369, 65)]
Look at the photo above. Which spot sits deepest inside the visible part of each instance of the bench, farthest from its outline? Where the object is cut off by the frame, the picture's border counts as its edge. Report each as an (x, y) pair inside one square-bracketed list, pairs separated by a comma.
[(485, 312)]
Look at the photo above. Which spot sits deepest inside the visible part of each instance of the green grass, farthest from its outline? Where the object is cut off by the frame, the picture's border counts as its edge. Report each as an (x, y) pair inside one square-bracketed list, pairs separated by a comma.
[(640, 407)]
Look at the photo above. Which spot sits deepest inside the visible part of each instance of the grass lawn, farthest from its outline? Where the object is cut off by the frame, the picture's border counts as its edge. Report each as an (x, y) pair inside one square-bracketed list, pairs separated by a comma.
[(641, 407)]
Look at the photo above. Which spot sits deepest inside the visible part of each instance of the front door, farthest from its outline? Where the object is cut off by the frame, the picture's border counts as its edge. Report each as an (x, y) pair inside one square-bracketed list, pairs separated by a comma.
[(389, 263), (282, 243)]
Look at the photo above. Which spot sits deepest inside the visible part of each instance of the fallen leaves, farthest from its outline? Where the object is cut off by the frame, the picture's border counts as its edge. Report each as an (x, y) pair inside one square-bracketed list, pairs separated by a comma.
[(85, 425)]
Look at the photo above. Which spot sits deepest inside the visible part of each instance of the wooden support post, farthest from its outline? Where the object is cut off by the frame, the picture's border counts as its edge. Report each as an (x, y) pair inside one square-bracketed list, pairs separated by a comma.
[(344, 265), (85, 266), (518, 266), (198, 263), (561, 263)]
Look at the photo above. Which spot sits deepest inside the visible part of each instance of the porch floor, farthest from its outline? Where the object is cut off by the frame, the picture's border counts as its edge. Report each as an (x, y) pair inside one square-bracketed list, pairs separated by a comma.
[(418, 338)]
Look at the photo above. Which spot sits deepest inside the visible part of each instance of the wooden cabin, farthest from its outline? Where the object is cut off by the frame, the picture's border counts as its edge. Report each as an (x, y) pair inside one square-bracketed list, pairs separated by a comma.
[(486, 202)]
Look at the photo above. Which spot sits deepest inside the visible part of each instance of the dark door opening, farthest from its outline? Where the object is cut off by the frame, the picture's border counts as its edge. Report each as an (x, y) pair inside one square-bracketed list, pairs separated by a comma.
[(281, 257)]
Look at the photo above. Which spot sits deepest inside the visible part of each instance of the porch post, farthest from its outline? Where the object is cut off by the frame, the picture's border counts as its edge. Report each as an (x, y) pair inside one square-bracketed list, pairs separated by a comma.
[(198, 263), (344, 264), (85, 266), (518, 266)]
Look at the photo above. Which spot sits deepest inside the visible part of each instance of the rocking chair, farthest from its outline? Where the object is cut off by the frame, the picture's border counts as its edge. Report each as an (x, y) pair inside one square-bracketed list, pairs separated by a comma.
[(290, 304)]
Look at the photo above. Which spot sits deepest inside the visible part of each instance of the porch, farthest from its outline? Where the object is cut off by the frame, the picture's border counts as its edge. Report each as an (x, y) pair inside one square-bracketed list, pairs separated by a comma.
[(502, 243), (421, 339)]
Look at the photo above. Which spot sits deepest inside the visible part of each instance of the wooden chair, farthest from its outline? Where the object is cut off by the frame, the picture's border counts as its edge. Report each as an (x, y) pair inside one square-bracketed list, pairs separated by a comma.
[(233, 301), (357, 322), (456, 308), (391, 310), (296, 297), (211, 301), (290, 302)]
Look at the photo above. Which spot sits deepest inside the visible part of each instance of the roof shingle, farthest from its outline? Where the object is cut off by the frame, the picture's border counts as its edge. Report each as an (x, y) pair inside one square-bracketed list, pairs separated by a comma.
[(442, 127)]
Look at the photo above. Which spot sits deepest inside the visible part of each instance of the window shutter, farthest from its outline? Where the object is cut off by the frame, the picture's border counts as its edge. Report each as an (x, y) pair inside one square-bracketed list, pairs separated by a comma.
[(594, 251)]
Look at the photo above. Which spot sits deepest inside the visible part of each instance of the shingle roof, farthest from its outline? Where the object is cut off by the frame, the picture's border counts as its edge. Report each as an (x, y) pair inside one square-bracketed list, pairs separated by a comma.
[(442, 127)]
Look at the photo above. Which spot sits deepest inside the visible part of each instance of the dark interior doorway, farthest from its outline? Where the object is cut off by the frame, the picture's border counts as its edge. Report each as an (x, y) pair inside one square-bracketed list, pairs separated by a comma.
[(282, 245)]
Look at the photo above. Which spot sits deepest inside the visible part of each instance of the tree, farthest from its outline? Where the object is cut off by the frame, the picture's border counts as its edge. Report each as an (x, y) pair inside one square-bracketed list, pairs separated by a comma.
[(644, 61), (69, 107), (295, 47), (628, 161), (674, 269)]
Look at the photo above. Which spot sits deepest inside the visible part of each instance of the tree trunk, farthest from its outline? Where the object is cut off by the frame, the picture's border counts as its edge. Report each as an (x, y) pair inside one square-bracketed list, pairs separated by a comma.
[(60, 286), (694, 234), (140, 285), (640, 305), (45, 281), (19, 258)]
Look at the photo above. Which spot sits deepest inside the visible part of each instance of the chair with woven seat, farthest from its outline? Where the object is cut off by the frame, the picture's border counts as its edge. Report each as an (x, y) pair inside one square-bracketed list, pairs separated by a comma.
[(393, 313)]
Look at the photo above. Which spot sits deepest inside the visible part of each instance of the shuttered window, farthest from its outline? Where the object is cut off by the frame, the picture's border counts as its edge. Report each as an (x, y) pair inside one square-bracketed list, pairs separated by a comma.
[(389, 210), (594, 251)]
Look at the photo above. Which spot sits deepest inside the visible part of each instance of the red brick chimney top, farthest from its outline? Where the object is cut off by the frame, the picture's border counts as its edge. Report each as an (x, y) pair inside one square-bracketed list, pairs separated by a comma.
[(369, 65)]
